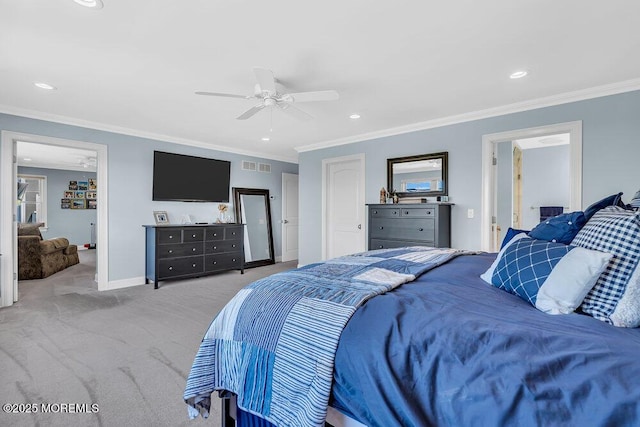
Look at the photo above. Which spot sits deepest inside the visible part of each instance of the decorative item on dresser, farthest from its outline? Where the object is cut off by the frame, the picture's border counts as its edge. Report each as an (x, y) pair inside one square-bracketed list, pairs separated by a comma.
[(180, 252), (417, 224)]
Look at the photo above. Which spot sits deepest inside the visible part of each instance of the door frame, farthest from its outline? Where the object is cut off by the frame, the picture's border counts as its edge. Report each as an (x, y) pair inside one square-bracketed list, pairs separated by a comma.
[(9, 259), (288, 176), (488, 189), (326, 163)]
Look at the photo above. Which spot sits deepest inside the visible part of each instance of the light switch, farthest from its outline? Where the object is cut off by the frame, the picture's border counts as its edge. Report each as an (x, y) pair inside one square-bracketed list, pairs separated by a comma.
[(470, 213)]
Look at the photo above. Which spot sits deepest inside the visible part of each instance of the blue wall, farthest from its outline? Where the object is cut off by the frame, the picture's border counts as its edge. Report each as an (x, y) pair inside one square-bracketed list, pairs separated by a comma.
[(130, 184), (74, 224), (611, 149)]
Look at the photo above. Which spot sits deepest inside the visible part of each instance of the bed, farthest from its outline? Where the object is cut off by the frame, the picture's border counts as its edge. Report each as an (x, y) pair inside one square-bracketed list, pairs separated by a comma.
[(447, 348)]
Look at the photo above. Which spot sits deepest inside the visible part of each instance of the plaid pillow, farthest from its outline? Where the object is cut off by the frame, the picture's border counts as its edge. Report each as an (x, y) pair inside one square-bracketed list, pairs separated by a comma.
[(552, 277), (616, 231)]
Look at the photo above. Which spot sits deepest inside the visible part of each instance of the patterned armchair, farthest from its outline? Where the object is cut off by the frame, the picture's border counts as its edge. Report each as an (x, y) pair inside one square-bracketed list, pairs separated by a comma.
[(39, 258)]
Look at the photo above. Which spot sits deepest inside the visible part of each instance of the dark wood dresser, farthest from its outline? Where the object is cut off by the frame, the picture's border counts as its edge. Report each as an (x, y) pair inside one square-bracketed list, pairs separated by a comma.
[(404, 224), (184, 251)]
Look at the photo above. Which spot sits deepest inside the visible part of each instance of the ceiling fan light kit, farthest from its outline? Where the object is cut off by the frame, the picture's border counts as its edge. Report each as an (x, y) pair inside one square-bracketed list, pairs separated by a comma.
[(267, 94)]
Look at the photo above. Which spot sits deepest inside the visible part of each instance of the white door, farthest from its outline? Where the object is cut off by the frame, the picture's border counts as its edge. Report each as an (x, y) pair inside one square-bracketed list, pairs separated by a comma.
[(344, 208), (289, 217)]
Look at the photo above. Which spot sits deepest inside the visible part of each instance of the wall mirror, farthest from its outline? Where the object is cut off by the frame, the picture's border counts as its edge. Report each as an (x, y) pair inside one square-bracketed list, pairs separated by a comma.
[(418, 176), (252, 209)]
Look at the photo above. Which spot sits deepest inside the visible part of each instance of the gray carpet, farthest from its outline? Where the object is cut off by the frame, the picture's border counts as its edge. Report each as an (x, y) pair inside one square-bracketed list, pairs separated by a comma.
[(129, 351)]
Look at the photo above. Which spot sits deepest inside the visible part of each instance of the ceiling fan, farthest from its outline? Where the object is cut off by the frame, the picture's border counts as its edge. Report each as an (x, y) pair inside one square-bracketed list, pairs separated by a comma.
[(266, 92)]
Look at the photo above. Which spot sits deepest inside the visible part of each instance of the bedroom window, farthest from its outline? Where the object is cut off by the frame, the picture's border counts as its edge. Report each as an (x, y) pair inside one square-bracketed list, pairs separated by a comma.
[(32, 199)]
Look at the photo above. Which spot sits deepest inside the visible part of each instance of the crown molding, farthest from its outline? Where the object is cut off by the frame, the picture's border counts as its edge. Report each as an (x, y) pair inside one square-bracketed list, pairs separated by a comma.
[(38, 115), (549, 101)]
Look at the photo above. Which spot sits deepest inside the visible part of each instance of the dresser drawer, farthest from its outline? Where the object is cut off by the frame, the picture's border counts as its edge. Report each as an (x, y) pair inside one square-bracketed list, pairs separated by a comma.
[(406, 229), (223, 246), (418, 213), (223, 261), (385, 212), (180, 250), (169, 236), (192, 235), (233, 233), (174, 267), (214, 233), (386, 244)]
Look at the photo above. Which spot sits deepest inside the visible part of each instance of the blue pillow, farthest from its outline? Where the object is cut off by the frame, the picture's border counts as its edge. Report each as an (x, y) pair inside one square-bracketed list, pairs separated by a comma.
[(559, 229), (511, 233), (612, 200), (553, 277)]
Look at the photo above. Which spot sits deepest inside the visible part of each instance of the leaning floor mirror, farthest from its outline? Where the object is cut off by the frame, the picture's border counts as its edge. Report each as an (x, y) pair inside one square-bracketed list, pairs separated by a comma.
[(253, 210)]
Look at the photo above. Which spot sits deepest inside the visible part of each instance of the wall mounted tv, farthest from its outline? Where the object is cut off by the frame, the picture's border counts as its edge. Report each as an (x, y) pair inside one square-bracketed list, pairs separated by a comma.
[(177, 177)]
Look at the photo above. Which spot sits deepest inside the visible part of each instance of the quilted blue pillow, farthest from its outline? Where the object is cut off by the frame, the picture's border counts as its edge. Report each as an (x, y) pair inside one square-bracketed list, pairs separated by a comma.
[(552, 277), (511, 233), (612, 200), (559, 229), (615, 298)]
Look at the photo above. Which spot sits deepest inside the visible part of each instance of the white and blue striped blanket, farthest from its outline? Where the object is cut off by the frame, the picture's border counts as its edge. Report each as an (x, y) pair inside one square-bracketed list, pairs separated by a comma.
[(274, 343)]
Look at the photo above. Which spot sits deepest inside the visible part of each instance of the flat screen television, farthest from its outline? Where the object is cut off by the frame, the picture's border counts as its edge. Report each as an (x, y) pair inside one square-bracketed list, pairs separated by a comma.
[(178, 177)]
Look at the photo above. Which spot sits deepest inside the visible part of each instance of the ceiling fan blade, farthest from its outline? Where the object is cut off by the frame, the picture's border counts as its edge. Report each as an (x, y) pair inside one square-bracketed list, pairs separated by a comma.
[(250, 112), (226, 95), (322, 95), (295, 112), (265, 79)]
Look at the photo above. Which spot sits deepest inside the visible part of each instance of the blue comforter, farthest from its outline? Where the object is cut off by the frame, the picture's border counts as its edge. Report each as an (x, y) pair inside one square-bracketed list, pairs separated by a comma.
[(273, 343), (450, 350)]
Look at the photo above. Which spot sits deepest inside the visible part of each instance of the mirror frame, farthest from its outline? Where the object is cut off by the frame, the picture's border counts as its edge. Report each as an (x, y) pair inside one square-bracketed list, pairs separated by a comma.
[(445, 178), (237, 207)]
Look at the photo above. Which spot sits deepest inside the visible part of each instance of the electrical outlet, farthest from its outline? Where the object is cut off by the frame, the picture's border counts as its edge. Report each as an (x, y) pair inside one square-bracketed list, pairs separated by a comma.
[(470, 213)]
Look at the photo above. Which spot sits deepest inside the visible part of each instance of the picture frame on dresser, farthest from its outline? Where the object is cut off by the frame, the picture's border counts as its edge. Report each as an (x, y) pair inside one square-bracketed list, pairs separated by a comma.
[(161, 217)]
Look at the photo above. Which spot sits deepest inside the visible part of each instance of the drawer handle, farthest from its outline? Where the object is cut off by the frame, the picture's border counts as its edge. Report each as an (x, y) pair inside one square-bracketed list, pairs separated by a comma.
[(194, 249), (381, 228), (171, 237), (420, 229), (234, 260), (233, 246), (379, 246), (406, 212), (215, 234), (375, 212), (193, 235), (170, 268), (215, 247), (193, 265), (215, 262), (395, 212), (170, 251)]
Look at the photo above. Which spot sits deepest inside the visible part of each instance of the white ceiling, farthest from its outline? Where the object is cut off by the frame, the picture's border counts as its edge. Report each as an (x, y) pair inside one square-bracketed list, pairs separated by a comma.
[(134, 66), (55, 157)]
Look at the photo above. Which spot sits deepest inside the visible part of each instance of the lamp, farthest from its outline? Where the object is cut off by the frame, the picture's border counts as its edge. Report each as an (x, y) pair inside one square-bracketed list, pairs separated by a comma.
[(635, 202)]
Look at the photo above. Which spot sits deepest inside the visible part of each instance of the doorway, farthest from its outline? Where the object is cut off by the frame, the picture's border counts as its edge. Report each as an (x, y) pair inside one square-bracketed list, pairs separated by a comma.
[(8, 208), (518, 178), (343, 208)]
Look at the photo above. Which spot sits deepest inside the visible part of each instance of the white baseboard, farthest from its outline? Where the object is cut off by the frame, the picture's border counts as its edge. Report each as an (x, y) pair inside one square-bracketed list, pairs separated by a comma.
[(123, 283)]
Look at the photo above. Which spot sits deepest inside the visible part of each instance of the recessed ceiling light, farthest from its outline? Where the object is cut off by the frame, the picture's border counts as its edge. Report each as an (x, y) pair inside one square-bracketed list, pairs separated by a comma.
[(354, 116), (46, 86), (266, 139), (518, 75), (27, 159), (93, 4)]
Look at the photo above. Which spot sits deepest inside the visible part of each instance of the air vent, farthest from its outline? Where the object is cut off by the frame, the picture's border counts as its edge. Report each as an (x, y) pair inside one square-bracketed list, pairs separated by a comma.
[(248, 166), (264, 167)]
